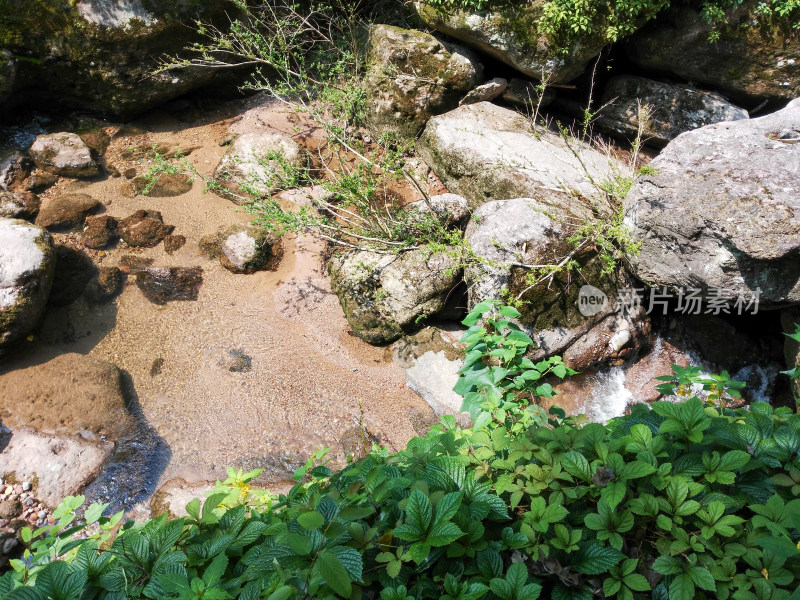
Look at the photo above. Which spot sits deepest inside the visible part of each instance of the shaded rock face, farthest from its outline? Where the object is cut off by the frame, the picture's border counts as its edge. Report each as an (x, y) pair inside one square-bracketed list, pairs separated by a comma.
[(749, 60), (527, 94), (484, 152), (64, 154), (384, 295), (246, 249), (67, 396), (74, 269), (255, 163), (144, 228), (165, 284), (101, 53), (18, 205), (675, 109), (722, 211), (412, 76), (518, 231), (66, 212), (8, 73), (509, 34), (486, 92), (27, 260)]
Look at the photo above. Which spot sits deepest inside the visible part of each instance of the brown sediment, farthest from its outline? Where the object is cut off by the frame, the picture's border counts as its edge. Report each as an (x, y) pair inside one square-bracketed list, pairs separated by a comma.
[(309, 383)]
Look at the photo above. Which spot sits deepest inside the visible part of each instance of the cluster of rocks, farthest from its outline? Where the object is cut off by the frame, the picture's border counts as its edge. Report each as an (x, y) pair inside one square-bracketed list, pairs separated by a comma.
[(41, 259), (19, 508), (717, 209)]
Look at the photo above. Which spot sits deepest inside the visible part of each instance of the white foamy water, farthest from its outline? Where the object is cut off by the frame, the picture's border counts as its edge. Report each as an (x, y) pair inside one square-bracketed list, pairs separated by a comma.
[(607, 396)]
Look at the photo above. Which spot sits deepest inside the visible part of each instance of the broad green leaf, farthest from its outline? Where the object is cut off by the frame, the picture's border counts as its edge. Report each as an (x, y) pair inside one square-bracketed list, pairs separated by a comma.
[(593, 559), (311, 520), (419, 510), (334, 573), (682, 588)]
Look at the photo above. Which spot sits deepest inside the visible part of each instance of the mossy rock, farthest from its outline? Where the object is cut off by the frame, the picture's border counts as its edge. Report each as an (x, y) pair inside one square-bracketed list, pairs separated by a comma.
[(103, 54), (509, 33), (386, 295)]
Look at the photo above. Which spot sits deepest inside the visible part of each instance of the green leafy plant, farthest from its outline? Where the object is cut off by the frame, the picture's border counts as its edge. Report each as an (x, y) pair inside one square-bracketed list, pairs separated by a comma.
[(679, 501)]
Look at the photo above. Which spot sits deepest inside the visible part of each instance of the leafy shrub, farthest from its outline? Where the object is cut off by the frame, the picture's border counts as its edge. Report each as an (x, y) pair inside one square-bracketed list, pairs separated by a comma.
[(678, 501)]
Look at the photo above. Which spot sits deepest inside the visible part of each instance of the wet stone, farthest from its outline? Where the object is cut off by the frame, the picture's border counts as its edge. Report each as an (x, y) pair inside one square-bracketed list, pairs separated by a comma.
[(165, 284), (18, 205), (99, 231), (104, 286), (156, 367), (144, 228), (173, 243), (135, 263), (40, 180), (236, 361)]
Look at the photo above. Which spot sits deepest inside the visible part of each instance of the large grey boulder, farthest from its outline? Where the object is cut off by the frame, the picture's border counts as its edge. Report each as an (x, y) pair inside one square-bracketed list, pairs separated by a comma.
[(64, 154), (485, 152), (27, 261), (103, 54), (412, 75), (507, 235), (509, 33), (751, 59), (673, 109), (721, 213), (256, 164), (385, 295)]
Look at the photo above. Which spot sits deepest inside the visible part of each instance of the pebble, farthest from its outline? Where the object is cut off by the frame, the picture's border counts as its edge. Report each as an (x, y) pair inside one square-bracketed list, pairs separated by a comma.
[(26, 486), (9, 490), (42, 514)]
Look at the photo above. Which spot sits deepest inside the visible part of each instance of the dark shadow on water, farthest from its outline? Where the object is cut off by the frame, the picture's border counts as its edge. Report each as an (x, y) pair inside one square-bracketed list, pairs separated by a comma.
[(138, 462)]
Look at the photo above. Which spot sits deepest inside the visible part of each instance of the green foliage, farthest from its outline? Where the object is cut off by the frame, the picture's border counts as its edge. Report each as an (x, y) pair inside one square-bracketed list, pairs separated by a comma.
[(564, 21), (683, 501)]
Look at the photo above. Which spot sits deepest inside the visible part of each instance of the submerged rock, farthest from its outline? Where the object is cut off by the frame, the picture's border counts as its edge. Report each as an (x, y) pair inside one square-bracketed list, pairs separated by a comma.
[(673, 109), (247, 249), (27, 261), (165, 284), (74, 269), (67, 211), (173, 243), (64, 154), (99, 231), (70, 395), (257, 164), (106, 284), (18, 205), (384, 295), (144, 228), (485, 152), (721, 212), (412, 75)]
